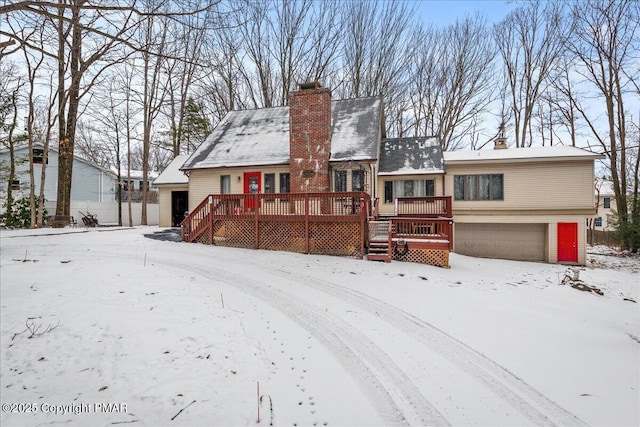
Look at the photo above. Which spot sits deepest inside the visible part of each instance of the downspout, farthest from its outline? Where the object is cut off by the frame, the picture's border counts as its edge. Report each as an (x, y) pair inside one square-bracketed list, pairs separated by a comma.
[(374, 180)]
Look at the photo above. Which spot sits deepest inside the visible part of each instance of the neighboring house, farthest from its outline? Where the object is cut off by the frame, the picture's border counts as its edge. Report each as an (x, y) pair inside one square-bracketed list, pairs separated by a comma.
[(525, 203), (173, 187), (134, 186), (522, 203), (605, 204), (93, 188), (89, 182)]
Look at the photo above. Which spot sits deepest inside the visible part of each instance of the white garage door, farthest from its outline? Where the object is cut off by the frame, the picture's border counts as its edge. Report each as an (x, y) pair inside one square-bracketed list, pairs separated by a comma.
[(523, 242)]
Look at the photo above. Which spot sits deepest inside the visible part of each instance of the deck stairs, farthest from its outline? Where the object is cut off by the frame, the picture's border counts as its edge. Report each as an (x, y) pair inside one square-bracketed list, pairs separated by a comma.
[(379, 245)]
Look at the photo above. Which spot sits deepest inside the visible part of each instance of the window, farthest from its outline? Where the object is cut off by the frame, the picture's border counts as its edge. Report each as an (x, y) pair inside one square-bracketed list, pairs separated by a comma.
[(607, 202), (357, 180), (38, 156), (599, 221), (284, 182), (340, 181), (478, 187), (225, 184), (408, 188), (388, 191), (269, 182), (15, 185)]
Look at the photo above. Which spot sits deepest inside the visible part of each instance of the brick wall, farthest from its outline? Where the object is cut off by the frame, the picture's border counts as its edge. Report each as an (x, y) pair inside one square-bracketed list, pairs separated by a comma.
[(310, 139)]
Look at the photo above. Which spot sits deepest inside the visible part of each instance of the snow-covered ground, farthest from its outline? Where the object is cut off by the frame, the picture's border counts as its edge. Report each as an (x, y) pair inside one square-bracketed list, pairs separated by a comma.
[(108, 326)]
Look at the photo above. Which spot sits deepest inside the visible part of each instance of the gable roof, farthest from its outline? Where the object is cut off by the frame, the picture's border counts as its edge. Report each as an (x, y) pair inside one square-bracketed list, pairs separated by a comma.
[(527, 154), (261, 136), (172, 173), (411, 156)]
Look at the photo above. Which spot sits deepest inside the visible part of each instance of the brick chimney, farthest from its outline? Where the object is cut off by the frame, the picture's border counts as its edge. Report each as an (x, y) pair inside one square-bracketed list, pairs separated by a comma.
[(500, 143), (310, 138)]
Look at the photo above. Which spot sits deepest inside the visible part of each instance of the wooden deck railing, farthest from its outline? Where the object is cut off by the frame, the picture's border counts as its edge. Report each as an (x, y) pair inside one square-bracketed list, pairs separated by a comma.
[(348, 207), (424, 207), (428, 232)]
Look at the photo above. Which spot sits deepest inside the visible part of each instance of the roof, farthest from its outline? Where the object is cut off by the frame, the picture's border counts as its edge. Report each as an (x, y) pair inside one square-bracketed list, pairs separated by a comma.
[(261, 136), (172, 173), (411, 156), (528, 154)]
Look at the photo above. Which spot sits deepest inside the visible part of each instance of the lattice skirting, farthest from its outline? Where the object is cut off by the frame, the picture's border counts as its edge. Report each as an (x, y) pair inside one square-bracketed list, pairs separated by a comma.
[(282, 236), (237, 234), (335, 238), (436, 257), (330, 238)]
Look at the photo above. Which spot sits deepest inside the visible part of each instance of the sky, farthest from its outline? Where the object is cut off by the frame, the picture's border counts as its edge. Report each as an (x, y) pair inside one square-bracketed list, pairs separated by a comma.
[(183, 334), (444, 12)]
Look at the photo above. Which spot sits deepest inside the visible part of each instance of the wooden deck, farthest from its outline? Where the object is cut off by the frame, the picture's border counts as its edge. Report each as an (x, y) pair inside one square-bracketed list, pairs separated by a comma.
[(324, 223)]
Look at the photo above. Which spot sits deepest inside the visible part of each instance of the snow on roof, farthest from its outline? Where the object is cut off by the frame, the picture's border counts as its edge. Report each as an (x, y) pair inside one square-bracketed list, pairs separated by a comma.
[(520, 154), (135, 174), (172, 173), (409, 156), (261, 136)]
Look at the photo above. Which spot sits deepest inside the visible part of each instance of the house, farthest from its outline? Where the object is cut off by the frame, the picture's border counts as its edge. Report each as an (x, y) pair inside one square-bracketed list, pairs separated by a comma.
[(90, 183), (527, 204), (329, 145), (93, 188), (173, 188), (132, 185), (522, 203), (605, 205)]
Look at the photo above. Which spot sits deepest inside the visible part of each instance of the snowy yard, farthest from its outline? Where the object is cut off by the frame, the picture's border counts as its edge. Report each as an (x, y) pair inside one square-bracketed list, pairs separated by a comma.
[(108, 326)]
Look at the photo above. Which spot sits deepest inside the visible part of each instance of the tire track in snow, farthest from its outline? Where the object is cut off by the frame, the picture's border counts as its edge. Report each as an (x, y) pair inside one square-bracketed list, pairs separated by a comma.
[(521, 396), (399, 401)]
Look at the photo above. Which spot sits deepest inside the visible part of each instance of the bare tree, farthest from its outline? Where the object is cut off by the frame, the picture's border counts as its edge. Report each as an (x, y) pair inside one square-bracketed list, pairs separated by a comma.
[(10, 86), (454, 80), (529, 40), (606, 43)]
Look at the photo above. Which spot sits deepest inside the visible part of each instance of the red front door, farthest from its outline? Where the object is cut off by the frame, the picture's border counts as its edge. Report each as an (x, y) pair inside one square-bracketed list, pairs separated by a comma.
[(567, 242), (251, 186)]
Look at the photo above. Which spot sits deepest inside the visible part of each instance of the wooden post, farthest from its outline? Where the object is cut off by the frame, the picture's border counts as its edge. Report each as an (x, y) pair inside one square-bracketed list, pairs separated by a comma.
[(256, 208), (363, 223), (306, 223), (211, 220)]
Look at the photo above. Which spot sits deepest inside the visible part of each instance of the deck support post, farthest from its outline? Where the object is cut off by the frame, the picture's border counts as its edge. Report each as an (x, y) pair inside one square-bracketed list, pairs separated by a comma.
[(306, 223), (257, 220), (211, 220)]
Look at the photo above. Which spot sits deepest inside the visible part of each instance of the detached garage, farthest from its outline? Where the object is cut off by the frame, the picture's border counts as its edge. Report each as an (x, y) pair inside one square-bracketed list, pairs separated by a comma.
[(522, 242)]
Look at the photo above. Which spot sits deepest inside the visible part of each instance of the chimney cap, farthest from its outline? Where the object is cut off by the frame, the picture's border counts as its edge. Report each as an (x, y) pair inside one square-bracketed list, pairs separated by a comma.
[(309, 85)]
